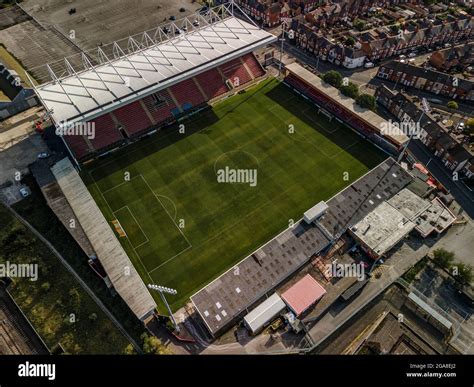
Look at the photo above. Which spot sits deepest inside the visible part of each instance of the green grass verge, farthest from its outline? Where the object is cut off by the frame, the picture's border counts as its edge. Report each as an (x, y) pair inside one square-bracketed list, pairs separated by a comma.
[(55, 298), (35, 210), (197, 227)]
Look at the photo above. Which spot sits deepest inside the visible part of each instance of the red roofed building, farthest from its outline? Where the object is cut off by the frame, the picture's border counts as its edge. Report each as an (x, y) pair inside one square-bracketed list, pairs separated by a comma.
[(303, 294)]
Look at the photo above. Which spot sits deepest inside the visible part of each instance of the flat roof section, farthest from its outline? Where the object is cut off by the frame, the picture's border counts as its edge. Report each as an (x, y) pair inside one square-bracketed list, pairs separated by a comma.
[(84, 95), (409, 203), (303, 294), (382, 228)]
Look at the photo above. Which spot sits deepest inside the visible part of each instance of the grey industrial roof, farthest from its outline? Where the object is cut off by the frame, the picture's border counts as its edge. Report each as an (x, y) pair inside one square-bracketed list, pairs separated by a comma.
[(353, 203)]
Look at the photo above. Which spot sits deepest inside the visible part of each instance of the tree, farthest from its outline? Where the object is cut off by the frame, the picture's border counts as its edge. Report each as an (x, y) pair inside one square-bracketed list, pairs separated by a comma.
[(351, 90), (334, 78), (443, 258), (366, 101), (469, 129), (359, 24), (153, 346), (350, 41), (129, 350), (45, 286), (453, 105), (465, 274)]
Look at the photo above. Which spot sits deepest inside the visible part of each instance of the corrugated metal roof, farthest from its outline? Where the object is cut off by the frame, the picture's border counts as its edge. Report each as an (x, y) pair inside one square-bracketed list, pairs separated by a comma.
[(436, 315), (264, 313)]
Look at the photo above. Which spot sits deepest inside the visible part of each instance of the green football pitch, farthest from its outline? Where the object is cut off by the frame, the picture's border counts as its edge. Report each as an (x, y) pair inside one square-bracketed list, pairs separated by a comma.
[(184, 227)]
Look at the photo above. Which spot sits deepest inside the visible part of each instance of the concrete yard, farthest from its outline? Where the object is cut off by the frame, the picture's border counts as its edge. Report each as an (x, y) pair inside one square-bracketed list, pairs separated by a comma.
[(104, 21)]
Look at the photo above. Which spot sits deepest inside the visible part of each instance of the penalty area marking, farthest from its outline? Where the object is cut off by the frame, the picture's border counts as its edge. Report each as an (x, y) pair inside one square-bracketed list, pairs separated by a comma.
[(138, 224)]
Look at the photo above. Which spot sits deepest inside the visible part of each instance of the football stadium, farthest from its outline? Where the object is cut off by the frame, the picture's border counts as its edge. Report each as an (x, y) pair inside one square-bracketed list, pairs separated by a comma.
[(198, 155)]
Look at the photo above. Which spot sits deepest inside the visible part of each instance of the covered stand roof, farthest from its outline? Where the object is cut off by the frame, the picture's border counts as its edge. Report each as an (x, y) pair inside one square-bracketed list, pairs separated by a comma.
[(90, 84)]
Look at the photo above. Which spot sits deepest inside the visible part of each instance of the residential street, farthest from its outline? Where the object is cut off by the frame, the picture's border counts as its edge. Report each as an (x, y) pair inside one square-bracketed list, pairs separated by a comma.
[(461, 193)]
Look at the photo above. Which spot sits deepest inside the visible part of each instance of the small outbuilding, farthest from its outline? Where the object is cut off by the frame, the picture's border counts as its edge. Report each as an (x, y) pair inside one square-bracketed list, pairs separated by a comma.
[(315, 212), (264, 313), (304, 294)]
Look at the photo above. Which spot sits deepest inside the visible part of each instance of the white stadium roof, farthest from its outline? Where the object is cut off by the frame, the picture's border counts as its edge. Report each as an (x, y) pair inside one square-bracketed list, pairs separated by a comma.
[(90, 84)]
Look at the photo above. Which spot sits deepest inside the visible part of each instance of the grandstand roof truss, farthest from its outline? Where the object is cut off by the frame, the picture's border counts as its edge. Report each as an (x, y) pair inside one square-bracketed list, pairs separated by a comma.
[(92, 83)]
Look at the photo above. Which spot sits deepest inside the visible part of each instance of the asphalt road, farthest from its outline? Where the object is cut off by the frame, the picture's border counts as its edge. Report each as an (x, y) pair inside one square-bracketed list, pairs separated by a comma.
[(462, 194)]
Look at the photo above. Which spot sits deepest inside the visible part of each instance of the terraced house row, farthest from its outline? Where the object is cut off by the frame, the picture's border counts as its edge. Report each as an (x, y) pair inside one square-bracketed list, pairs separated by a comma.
[(384, 42), (454, 154)]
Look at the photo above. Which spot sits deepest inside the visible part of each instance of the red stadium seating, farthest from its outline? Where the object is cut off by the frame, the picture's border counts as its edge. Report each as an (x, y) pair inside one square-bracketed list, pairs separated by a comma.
[(160, 111), (106, 133), (133, 117), (162, 107), (78, 146), (187, 91), (212, 83), (235, 71), (254, 65), (339, 111)]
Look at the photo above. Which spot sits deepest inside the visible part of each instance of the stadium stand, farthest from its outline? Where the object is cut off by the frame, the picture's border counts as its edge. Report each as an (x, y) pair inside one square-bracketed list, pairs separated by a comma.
[(154, 110), (136, 93), (235, 72), (160, 105), (212, 83), (187, 94), (109, 251), (133, 118), (364, 121), (254, 65), (223, 301), (78, 146), (107, 134)]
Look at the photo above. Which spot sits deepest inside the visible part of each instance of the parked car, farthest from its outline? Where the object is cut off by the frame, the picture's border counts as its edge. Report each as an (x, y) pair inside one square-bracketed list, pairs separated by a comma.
[(402, 56), (24, 192), (412, 54), (43, 155), (369, 65)]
